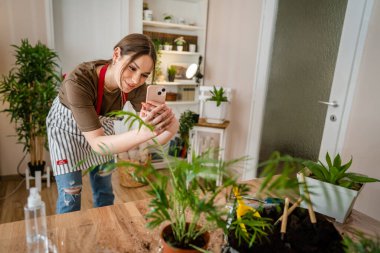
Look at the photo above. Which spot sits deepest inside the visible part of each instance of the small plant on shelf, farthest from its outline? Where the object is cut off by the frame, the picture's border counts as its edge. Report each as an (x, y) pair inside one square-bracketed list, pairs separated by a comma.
[(172, 71), (180, 41), (218, 95), (168, 18)]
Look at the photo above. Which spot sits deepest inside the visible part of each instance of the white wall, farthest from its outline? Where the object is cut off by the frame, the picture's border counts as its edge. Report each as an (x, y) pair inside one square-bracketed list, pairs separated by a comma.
[(363, 135), (19, 19), (232, 37)]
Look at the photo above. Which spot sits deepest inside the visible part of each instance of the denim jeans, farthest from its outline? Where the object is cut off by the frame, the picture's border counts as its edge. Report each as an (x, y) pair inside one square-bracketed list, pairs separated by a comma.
[(102, 193)]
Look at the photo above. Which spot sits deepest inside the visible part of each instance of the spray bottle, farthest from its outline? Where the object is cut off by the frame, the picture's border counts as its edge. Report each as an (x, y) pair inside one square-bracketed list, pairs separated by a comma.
[(35, 223)]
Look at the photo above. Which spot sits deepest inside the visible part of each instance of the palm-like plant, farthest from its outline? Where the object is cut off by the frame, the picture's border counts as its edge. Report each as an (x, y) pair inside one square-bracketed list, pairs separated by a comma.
[(29, 89), (186, 197)]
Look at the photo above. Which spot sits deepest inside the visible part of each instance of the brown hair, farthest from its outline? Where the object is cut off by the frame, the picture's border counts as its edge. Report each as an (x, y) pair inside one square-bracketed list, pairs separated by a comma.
[(136, 45)]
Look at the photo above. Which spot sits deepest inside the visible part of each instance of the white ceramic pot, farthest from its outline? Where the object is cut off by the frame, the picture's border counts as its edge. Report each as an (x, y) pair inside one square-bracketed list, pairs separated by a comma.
[(192, 48), (167, 47), (328, 199), (179, 48), (215, 114)]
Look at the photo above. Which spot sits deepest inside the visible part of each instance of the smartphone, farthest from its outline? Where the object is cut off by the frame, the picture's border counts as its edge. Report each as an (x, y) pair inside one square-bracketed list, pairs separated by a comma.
[(156, 93)]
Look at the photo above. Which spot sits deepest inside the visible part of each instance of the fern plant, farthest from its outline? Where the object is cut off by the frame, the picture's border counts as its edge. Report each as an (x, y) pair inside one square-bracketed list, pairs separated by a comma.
[(218, 95), (335, 172)]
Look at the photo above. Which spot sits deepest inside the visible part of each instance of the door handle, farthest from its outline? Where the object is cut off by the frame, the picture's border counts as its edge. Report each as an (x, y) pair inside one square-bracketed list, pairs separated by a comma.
[(333, 103)]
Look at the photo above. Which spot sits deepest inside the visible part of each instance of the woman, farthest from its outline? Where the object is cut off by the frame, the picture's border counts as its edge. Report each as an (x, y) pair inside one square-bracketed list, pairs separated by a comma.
[(79, 134)]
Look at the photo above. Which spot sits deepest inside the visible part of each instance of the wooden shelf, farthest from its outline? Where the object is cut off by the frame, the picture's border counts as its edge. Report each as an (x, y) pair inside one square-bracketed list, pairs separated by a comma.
[(182, 102), (178, 83), (171, 25), (179, 52)]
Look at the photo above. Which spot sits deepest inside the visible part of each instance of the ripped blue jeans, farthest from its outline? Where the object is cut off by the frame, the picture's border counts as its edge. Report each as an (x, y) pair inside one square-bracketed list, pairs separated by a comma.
[(70, 188)]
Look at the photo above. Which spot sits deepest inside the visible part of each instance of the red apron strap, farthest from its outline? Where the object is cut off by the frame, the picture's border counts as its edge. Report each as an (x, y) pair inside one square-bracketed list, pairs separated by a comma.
[(102, 76), (124, 98)]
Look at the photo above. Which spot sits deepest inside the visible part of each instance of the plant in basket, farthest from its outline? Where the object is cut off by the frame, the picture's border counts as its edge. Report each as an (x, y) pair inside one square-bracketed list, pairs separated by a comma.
[(186, 202)]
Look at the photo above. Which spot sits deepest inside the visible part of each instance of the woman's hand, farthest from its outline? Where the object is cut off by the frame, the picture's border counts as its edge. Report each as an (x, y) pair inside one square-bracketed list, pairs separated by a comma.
[(160, 116)]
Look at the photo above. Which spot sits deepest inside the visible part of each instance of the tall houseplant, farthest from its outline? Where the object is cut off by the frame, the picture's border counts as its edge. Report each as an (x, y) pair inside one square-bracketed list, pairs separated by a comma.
[(29, 89)]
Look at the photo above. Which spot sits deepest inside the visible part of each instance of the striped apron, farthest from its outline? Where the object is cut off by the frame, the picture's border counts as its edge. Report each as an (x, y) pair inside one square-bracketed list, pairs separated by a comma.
[(69, 149)]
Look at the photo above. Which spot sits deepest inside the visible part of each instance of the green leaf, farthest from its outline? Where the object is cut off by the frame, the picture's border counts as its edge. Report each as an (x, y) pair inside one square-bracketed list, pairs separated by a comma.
[(316, 170), (328, 160), (346, 166), (337, 161), (358, 178)]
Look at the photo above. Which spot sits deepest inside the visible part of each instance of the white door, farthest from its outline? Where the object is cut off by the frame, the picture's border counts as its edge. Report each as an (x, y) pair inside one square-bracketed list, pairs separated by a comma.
[(334, 119)]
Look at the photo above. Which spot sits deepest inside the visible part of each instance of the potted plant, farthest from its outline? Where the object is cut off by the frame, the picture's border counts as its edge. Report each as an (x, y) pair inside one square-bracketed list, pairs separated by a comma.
[(168, 18), (29, 89), (167, 46), (258, 226), (335, 189), (215, 107), (184, 201), (186, 123), (172, 71), (180, 41)]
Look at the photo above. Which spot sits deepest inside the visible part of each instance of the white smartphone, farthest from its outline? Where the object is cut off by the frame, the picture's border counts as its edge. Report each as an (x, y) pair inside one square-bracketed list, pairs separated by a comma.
[(156, 93)]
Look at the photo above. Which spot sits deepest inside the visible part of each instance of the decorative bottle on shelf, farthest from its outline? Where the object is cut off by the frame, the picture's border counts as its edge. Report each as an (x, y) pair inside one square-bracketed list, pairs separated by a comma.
[(35, 223)]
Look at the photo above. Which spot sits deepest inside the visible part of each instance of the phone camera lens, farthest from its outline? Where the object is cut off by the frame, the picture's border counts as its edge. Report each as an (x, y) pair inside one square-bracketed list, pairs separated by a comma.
[(163, 89), (159, 93)]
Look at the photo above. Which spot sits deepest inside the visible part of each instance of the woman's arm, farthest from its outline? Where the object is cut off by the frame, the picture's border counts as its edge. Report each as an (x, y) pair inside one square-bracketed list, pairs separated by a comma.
[(160, 117), (113, 144)]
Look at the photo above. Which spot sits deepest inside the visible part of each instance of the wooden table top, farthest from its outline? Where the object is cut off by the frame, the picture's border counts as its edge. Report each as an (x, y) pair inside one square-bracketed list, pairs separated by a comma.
[(121, 228)]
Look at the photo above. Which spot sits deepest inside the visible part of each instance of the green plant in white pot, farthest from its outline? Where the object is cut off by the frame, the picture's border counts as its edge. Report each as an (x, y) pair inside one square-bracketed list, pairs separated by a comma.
[(180, 41), (215, 107), (335, 190), (29, 90)]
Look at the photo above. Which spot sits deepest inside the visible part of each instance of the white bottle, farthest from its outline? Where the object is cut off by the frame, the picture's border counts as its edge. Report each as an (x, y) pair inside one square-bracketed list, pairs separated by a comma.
[(35, 223)]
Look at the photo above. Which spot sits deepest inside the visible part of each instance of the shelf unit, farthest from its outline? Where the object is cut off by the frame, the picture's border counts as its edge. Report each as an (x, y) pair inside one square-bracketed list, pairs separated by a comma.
[(192, 12), (179, 52)]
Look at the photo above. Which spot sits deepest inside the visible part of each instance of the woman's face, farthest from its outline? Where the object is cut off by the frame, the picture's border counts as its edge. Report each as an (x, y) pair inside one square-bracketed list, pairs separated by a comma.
[(135, 73)]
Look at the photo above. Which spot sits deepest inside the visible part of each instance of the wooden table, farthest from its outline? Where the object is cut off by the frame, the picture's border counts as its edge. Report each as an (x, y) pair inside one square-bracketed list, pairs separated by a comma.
[(121, 228)]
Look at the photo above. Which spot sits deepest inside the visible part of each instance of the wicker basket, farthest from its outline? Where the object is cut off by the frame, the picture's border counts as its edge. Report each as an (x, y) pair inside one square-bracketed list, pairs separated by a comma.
[(126, 179)]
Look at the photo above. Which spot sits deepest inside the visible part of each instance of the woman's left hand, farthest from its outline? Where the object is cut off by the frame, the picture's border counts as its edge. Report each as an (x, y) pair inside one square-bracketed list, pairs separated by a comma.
[(160, 116)]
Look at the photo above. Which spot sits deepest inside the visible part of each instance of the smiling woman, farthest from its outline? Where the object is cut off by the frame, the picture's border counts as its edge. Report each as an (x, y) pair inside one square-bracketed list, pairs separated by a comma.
[(82, 136)]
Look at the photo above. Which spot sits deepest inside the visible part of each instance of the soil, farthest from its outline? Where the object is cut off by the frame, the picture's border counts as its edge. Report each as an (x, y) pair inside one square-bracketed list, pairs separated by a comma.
[(169, 239), (301, 235)]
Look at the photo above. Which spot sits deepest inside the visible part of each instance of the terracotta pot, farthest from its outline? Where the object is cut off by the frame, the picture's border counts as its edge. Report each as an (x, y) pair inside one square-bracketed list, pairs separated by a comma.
[(166, 248)]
